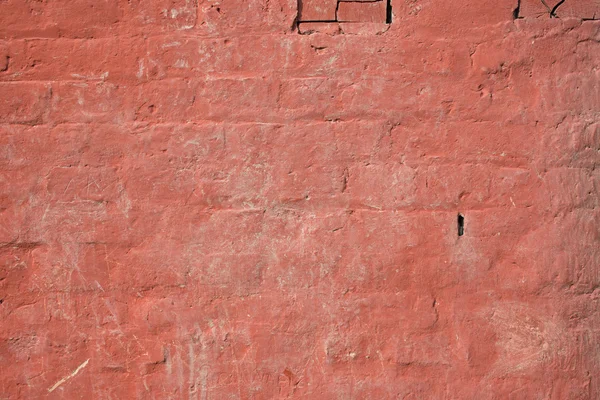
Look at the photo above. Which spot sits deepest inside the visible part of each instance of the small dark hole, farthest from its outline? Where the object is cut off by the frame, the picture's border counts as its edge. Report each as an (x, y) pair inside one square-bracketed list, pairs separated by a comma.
[(461, 224), (1, 301), (388, 14)]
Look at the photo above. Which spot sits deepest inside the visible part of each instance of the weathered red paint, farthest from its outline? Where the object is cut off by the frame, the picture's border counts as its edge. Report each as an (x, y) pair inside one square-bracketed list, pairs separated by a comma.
[(317, 10), (566, 9), (201, 200), (361, 11)]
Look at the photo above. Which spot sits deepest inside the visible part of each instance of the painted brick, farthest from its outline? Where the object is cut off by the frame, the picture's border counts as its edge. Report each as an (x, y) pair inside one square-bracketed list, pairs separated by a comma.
[(217, 17), (317, 10), (451, 18), (44, 19), (24, 102), (65, 59), (362, 11)]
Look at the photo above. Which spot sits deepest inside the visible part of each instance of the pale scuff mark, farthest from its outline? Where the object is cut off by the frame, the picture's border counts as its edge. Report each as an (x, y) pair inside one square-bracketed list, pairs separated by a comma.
[(140, 72), (71, 375), (525, 338)]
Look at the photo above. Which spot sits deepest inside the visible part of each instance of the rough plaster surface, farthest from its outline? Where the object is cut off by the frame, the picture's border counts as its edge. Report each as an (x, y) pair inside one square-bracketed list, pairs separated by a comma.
[(199, 202)]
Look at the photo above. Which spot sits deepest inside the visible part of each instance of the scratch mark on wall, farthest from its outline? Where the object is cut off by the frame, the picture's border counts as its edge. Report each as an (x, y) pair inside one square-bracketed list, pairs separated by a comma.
[(71, 375)]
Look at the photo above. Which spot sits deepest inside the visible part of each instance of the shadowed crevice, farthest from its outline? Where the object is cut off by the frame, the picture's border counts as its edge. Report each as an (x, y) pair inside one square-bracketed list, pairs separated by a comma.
[(517, 10), (553, 11)]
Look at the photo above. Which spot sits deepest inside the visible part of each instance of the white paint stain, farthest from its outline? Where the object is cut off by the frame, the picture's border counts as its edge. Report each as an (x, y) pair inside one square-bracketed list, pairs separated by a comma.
[(171, 44), (181, 64), (140, 72), (71, 375)]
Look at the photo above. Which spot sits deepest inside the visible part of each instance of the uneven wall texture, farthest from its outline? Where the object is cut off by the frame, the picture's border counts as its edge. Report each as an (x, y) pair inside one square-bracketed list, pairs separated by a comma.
[(204, 199)]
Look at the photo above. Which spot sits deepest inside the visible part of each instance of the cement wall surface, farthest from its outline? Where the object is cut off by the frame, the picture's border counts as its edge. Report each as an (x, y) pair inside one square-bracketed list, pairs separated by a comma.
[(266, 199)]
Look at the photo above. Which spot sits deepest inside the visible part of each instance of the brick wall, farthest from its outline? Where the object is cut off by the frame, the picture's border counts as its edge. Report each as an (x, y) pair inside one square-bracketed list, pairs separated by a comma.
[(205, 199)]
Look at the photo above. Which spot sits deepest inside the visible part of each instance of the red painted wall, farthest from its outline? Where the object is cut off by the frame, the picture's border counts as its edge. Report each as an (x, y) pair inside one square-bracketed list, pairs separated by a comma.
[(198, 201)]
